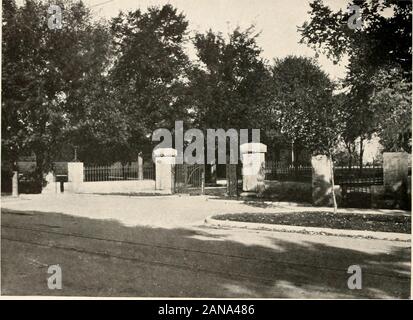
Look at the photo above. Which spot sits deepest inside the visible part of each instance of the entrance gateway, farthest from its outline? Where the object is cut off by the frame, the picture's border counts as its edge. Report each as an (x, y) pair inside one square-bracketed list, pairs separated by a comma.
[(190, 179), (181, 177)]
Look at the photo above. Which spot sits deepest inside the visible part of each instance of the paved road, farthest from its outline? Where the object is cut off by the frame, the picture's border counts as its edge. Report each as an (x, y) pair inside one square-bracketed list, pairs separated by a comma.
[(106, 257)]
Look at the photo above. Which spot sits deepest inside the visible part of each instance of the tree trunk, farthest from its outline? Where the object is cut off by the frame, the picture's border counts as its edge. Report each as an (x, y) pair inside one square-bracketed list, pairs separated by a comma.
[(39, 170), (333, 186), (350, 151), (361, 156)]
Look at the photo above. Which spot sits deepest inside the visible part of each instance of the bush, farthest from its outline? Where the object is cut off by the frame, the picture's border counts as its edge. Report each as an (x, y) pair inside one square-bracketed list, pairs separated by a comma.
[(29, 183), (288, 191)]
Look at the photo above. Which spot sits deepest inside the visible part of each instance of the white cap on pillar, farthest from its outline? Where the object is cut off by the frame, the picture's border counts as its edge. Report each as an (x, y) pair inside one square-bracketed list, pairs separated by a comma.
[(165, 152)]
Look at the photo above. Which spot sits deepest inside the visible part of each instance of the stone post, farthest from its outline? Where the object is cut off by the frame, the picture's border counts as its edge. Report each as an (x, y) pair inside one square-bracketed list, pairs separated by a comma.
[(75, 175), (253, 165), (15, 184), (395, 176), (165, 159), (140, 168), (51, 184), (322, 186)]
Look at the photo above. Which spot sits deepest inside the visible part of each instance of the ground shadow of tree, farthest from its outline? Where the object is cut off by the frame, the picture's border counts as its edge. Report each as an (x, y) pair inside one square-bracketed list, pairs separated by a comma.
[(106, 258)]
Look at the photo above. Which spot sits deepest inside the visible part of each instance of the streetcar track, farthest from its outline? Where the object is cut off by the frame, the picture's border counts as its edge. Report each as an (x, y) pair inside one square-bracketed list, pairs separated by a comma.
[(75, 235), (234, 276), (149, 262)]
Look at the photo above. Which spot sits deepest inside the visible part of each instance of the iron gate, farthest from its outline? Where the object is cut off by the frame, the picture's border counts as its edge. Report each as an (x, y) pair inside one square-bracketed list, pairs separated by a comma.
[(356, 186), (190, 178)]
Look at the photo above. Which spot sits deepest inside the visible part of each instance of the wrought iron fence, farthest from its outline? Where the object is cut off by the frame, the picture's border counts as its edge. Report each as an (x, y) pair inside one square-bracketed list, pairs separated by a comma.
[(368, 175), (118, 173), (282, 172), (148, 172), (356, 184)]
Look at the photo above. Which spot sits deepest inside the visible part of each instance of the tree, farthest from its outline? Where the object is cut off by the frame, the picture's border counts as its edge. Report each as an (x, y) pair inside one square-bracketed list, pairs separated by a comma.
[(301, 90), (229, 82), (12, 129), (383, 43), (99, 128), (149, 71), (392, 104), (43, 72), (385, 36), (308, 113)]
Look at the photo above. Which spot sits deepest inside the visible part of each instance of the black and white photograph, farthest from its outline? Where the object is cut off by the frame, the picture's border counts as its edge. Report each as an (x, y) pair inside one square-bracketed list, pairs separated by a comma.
[(206, 149)]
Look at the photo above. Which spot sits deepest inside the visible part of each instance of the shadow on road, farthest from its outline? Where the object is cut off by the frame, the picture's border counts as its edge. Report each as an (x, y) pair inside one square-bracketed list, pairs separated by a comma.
[(105, 258)]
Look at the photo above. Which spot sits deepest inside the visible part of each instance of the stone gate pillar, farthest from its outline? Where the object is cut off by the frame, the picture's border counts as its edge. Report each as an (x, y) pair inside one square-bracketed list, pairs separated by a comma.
[(322, 186), (395, 176), (253, 165), (74, 176), (321, 180), (165, 159), (140, 167), (15, 184), (75, 172)]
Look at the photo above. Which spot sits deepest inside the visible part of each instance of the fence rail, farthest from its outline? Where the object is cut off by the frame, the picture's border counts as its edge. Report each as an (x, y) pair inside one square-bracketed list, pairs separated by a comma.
[(118, 173), (369, 175), (148, 172)]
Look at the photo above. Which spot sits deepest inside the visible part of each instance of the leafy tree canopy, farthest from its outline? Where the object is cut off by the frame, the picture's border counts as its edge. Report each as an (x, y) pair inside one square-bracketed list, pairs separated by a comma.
[(381, 46), (229, 83), (303, 105)]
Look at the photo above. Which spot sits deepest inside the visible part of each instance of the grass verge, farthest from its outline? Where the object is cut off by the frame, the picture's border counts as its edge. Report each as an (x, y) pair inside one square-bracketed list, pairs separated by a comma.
[(325, 219)]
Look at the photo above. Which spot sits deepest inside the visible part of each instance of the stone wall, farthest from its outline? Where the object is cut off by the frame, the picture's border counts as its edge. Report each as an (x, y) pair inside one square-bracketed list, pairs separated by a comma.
[(395, 193), (76, 183), (132, 186), (288, 191)]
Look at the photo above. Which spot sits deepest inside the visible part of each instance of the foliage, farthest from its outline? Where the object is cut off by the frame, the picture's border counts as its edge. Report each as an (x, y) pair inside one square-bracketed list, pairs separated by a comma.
[(392, 103), (149, 70), (44, 73), (303, 104), (229, 83), (382, 44), (103, 87)]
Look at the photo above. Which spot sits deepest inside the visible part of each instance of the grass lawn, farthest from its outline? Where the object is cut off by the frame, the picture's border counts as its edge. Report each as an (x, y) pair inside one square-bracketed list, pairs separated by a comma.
[(325, 219)]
